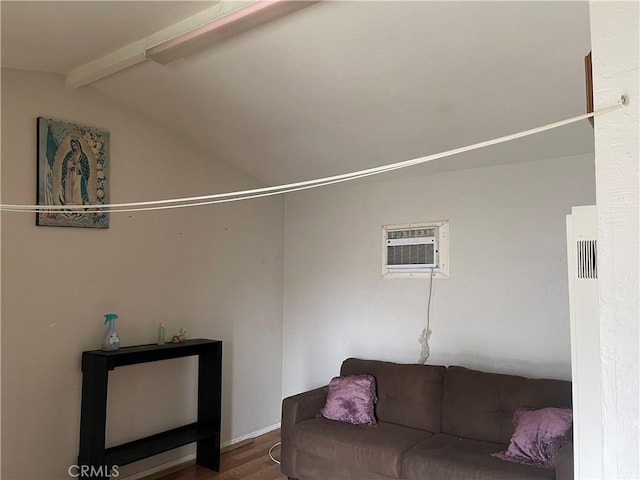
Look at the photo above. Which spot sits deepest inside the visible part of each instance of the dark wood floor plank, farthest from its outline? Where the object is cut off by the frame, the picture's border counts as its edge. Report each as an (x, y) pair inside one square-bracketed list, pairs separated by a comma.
[(250, 462)]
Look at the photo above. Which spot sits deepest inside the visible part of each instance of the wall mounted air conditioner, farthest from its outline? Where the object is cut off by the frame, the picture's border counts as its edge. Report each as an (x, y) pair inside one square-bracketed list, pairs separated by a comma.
[(415, 249)]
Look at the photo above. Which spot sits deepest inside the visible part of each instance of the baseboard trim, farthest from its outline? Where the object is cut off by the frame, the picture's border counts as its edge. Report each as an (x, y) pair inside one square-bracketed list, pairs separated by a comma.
[(183, 462), (251, 435)]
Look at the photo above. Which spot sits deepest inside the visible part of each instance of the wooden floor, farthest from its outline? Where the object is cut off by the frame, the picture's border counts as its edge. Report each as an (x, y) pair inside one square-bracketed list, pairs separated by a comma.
[(249, 462)]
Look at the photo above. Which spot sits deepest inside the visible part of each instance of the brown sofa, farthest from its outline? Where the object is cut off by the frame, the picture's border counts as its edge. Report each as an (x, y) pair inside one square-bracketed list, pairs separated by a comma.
[(433, 423)]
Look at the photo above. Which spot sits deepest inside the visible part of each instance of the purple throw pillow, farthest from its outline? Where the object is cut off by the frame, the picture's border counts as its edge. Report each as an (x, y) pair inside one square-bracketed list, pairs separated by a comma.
[(538, 435), (351, 399)]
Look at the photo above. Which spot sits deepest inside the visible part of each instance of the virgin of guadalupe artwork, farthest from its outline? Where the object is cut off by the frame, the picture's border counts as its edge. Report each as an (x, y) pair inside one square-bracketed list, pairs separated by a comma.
[(73, 162)]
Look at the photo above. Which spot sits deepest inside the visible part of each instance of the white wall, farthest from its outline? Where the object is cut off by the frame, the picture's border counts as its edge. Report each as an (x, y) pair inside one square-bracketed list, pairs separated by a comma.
[(615, 41), (215, 271), (505, 307), (585, 343)]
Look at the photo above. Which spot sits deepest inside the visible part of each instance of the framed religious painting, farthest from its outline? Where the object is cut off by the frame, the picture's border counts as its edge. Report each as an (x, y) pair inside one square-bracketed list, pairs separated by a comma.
[(73, 175)]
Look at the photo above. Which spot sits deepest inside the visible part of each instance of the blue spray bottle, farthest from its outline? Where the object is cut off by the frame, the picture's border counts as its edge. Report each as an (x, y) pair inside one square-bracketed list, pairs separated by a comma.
[(111, 340)]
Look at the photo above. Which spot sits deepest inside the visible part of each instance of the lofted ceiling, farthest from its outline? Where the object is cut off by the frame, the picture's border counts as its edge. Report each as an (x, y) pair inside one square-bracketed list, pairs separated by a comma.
[(336, 86)]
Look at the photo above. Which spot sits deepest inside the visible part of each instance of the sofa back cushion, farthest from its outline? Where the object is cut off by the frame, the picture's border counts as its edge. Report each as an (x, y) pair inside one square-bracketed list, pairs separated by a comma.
[(480, 405), (409, 395)]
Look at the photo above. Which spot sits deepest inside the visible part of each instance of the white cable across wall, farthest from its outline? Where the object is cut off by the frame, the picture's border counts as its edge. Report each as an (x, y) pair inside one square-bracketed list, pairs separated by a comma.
[(303, 185)]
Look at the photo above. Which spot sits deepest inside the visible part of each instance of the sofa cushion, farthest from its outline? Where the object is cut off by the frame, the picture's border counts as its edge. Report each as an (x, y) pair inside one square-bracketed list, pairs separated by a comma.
[(538, 436), (311, 467), (480, 405), (409, 395), (445, 456), (375, 449), (351, 399)]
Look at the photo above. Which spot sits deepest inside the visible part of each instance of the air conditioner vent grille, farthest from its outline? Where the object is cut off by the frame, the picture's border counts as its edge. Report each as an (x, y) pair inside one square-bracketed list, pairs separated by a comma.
[(422, 254), (587, 259)]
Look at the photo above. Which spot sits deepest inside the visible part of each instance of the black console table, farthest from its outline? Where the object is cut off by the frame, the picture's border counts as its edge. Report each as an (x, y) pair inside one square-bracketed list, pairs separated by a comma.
[(93, 414)]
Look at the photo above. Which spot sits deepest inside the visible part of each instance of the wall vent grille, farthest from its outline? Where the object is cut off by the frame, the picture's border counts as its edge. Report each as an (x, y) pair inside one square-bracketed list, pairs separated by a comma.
[(400, 256), (587, 259)]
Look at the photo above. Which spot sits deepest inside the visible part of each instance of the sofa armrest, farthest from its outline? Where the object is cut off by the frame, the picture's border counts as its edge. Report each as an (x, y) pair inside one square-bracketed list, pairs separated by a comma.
[(564, 462), (296, 409)]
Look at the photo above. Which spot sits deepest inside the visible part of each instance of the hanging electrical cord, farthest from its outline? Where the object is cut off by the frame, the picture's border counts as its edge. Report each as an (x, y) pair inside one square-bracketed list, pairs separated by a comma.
[(270, 455), (297, 186), (426, 332)]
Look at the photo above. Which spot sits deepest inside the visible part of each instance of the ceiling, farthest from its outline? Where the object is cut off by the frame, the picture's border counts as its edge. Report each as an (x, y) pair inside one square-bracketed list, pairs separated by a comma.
[(336, 86)]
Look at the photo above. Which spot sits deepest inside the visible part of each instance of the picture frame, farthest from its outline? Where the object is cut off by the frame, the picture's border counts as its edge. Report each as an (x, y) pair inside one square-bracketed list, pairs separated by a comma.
[(73, 169)]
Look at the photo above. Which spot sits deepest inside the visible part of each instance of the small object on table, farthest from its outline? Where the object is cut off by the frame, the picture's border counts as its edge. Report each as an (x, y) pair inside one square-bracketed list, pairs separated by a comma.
[(111, 341), (161, 334), (180, 337)]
